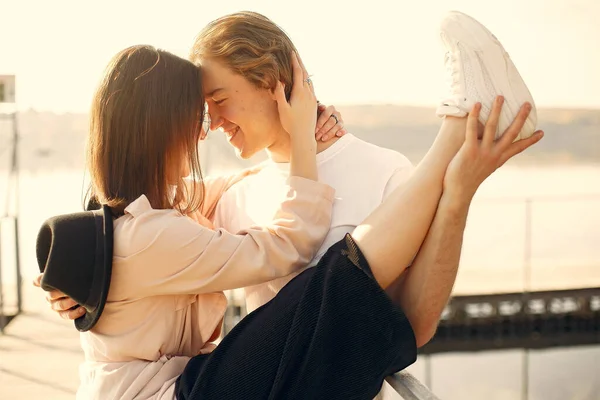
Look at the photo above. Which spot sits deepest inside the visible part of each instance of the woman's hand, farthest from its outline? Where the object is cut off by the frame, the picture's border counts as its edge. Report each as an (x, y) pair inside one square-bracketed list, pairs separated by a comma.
[(299, 116), (65, 306)]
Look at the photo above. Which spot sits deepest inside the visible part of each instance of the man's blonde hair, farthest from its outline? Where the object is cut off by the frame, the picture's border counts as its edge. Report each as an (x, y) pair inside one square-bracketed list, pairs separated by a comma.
[(249, 44)]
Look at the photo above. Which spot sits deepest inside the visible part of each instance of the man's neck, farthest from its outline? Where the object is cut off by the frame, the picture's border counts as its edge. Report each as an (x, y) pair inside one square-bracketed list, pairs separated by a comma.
[(280, 152)]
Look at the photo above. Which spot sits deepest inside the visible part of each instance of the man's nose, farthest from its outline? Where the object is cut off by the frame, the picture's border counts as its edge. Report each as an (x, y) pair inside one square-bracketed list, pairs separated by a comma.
[(215, 120)]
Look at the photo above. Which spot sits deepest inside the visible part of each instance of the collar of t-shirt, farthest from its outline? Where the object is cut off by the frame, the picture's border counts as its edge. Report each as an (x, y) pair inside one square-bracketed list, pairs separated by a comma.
[(326, 154)]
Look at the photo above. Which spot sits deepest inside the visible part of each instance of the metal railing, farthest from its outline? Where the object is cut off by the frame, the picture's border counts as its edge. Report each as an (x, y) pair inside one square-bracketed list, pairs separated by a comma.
[(8, 314), (534, 320), (409, 387)]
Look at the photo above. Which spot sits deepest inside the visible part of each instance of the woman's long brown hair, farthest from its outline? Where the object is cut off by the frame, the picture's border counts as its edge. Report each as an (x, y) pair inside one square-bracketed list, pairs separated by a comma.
[(145, 120)]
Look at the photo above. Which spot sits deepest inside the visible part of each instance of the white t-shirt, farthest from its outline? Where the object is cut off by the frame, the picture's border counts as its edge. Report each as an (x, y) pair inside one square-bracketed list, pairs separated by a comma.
[(361, 173)]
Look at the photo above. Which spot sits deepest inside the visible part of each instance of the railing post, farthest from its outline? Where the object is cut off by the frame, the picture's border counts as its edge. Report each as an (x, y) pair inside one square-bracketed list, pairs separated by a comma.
[(3, 319), (428, 376), (19, 278), (526, 290), (15, 171)]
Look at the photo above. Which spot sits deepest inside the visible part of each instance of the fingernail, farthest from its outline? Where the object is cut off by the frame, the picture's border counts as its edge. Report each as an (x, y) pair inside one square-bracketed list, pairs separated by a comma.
[(500, 99)]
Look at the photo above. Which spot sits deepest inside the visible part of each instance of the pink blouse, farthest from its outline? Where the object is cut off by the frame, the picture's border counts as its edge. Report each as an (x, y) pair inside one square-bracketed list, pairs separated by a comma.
[(166, 300)]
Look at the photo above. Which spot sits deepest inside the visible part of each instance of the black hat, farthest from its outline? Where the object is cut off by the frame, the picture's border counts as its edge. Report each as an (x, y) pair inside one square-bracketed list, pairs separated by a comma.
[(75, 252)]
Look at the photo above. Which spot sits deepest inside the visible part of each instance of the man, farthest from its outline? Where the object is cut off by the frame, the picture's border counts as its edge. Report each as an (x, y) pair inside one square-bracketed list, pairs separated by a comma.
[(247, 51), (244, 55)]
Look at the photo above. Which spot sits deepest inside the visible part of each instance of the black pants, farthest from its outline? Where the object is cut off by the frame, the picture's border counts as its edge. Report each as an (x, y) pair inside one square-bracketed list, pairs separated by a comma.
[(330, 333)]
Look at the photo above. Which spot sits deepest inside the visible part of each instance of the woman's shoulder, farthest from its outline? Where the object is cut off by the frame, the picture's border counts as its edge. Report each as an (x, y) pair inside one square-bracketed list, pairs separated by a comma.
[(143, 227)]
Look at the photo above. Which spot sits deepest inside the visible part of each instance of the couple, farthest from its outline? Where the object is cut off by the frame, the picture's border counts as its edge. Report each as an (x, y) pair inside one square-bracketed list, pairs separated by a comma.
[(384, 238)]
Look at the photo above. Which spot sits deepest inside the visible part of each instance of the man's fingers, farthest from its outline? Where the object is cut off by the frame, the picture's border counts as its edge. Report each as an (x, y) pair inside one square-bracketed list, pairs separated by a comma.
[(473, 124), (325, 129), (333, 132), (325, 115), (511, 133), (520, 146), (491, 126)]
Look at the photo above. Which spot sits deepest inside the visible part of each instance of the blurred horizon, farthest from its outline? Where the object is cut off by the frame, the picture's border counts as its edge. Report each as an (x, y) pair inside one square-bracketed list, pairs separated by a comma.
[(51, 141)]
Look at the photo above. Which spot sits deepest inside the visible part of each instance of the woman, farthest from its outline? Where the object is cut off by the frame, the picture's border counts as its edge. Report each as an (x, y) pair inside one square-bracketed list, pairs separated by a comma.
[(146, 121), (165, 301)]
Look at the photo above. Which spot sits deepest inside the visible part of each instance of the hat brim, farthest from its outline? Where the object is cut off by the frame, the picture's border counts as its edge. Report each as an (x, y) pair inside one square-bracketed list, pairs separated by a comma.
[(102, 272)]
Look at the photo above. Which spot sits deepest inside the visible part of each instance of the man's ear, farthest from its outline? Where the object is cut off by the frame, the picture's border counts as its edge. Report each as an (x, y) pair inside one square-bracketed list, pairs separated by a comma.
[(274, 90), (286, 89)]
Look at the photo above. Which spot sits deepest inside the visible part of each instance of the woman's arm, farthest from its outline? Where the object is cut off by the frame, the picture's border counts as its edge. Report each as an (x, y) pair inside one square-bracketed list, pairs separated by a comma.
[(214, 187), (167, 253)]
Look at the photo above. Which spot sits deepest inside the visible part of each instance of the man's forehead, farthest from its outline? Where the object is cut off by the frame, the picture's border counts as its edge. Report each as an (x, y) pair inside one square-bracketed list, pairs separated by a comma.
[(211, 84), (215, 76), (213, 81)]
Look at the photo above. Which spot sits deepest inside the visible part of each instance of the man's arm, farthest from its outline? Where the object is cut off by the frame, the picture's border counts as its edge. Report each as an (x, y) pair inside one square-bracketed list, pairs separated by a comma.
[(424, 289)]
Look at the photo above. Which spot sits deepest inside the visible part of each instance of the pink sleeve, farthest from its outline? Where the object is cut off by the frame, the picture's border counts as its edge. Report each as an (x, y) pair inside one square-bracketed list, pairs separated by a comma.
[(179, 256), (215, 186)]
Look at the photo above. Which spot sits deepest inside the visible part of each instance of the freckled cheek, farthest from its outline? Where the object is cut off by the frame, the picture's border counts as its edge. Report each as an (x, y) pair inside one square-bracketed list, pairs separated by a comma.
[(243, 116), (234, 114), (225, 113)]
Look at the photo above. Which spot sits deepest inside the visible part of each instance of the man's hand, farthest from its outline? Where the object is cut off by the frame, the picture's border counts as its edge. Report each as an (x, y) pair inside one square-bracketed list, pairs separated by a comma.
[(423, 290), (478, 159), (329, 124), (66, 307)]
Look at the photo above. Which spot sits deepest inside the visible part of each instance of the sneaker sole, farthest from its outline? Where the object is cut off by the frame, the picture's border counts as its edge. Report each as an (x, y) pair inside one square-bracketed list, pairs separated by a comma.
[(481, 37)]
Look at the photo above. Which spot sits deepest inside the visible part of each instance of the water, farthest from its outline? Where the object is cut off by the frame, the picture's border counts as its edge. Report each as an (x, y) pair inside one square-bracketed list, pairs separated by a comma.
[(556, 374), (564, 229)]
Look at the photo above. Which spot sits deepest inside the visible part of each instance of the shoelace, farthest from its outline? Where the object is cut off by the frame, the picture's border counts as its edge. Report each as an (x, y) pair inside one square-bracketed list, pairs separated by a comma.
[(452, 74)]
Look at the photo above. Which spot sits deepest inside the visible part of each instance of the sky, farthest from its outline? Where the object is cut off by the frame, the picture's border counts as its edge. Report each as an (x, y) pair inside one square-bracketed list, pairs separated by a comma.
[(374, 52)]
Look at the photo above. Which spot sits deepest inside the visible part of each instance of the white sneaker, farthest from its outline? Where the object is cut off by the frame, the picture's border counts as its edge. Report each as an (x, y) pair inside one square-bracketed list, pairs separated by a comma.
[(480, 69)]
